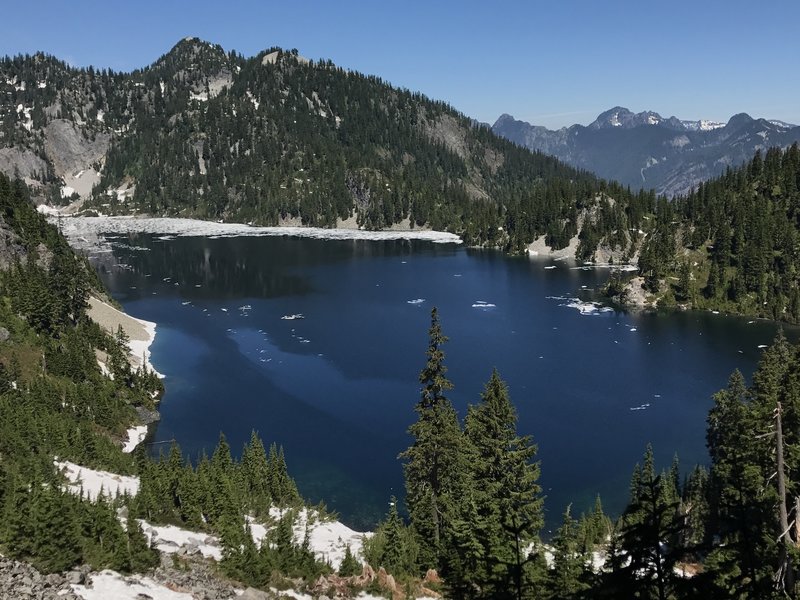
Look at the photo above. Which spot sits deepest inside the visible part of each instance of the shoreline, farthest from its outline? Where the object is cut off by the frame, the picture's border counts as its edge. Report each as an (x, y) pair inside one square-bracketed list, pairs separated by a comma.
[(141, 335)]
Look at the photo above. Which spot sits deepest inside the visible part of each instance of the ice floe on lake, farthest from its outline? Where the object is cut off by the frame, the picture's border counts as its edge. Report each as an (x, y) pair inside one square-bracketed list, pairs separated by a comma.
[(79, 230), (583, 307), (292, 317), (483, 304)]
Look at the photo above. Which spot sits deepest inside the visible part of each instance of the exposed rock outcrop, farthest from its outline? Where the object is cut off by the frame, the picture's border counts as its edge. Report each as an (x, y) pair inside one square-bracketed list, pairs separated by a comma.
[(71, 149), (22, 582)]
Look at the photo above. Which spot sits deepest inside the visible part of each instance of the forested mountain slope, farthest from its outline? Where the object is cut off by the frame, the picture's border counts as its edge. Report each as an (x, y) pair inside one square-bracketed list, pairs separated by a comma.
[(277, 138), (734, 244), (55, 401)]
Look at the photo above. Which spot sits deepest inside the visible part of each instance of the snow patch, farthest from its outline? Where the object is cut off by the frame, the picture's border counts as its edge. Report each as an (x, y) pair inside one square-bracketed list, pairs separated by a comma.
[(91, 481), (327, 539), (110, 584), (169, 539), (136, 436)]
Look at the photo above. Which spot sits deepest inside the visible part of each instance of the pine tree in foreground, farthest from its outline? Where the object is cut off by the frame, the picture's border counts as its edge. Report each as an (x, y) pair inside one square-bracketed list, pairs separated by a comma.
[(432, 462), (507, 495)]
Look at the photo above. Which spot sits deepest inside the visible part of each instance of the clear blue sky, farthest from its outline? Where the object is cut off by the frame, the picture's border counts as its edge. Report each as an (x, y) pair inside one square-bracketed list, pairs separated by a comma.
[(552, 62)]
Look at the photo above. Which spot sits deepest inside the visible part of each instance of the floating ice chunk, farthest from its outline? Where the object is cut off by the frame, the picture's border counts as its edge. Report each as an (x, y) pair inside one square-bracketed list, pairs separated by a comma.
[(292, 317), (585, 308), (483, 304)]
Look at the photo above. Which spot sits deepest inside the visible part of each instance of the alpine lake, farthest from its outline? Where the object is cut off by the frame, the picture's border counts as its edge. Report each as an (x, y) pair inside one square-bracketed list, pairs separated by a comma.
[(318, 344)]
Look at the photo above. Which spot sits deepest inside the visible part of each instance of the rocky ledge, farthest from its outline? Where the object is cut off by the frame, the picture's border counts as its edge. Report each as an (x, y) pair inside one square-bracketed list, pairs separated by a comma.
[(22, 582)]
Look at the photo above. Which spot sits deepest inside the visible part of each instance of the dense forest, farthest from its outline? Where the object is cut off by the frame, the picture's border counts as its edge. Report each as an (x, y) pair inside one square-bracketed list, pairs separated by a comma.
[(734, 243)]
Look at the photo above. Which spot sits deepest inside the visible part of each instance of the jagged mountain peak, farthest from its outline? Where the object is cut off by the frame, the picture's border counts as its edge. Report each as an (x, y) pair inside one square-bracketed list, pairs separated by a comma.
[(647, 150), (619, 116)]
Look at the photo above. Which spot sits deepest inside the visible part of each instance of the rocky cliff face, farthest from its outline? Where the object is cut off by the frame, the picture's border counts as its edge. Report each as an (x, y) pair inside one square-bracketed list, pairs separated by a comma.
[(646, 150)]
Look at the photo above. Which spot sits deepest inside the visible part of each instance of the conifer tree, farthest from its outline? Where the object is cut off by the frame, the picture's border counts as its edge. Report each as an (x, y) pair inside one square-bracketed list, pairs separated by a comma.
[(349, 565), (432, 461), (567, 577), (505, 479), (651, 531)]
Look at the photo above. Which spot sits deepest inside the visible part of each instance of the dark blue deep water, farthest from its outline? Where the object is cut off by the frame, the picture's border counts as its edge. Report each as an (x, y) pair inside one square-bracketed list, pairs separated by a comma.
[(337, 388)]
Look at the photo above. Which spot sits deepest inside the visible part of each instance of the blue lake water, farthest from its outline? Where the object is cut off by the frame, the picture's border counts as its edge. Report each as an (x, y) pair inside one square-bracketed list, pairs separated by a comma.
[(337, 387)]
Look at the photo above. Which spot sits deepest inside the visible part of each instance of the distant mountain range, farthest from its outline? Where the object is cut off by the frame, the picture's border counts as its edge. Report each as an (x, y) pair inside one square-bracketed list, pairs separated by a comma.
[(646, 150)]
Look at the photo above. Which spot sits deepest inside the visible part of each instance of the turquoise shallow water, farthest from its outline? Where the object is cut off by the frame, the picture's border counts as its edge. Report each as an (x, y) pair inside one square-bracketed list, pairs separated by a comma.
[(337, 387)]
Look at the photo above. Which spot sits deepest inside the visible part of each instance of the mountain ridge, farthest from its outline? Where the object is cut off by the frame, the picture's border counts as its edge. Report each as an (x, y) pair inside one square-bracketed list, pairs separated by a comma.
[(647, 150), (273, 139)]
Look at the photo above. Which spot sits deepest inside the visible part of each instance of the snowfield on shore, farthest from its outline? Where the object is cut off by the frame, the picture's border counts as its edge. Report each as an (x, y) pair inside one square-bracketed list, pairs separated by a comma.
[(85, 232)]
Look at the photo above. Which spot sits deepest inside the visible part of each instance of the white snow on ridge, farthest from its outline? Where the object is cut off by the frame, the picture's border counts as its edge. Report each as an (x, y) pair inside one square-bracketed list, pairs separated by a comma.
[(92, 481), (110, 584), (169, 539), (702, 125), (77, 227), (48, 210), (328, 540)]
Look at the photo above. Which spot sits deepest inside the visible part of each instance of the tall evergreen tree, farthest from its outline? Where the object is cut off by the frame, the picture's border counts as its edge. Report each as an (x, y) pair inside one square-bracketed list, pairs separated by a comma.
[(651, 531), (432, 463), (508, 496)]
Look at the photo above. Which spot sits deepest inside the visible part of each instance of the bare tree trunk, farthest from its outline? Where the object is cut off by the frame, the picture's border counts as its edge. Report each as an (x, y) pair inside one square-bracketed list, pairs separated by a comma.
[(786, 574)]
